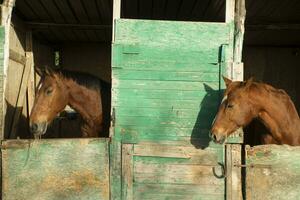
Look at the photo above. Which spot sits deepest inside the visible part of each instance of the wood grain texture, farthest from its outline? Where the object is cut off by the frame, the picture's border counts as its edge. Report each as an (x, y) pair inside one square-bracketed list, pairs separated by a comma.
[(275, 172), (55, 169)]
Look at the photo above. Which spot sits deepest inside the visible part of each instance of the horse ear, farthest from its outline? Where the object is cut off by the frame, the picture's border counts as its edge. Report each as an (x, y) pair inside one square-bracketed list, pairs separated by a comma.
[(249, 82), (39, 71), (49, 71), (227, 81)]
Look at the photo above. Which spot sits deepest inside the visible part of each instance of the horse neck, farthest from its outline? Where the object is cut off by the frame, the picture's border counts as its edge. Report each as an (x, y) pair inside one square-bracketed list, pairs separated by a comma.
[(280, 117), (87, 102)]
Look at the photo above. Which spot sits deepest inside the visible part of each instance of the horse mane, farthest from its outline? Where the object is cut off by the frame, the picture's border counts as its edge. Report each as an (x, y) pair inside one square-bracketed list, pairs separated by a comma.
[(278, 93)]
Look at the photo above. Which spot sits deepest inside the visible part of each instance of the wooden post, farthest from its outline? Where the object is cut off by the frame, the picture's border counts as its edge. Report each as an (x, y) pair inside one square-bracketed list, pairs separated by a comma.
[(235, 12), (127, 171), (6, 12), (239, 20), (116, 15), (24, 84)]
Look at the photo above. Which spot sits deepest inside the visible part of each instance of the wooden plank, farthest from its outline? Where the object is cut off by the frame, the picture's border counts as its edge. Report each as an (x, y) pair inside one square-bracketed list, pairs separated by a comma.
[(272, 172), (230, 9), (24, 84), (169, 151), (6, 10), (17, 57), (68, 169), (127, 171), (132, 74), (171, 113), (182, 34), (163, 85), (233, 172), (115, 168), (67, 12), (172, 94)]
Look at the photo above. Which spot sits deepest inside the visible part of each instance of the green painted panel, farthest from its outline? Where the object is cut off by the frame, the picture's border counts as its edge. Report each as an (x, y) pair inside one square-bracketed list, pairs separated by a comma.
[(189, 36), (274, 174), (167, 58), (165, 85), (166, 89), (161, 94), (123, 74), (55, 169)]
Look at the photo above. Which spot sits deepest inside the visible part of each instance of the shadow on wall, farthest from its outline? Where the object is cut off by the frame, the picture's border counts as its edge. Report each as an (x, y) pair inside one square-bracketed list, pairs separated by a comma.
[(200, 138)]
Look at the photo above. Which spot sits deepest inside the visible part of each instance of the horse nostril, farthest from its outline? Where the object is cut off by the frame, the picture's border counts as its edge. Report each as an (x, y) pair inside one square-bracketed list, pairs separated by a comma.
[(214, 137), (34, 128)]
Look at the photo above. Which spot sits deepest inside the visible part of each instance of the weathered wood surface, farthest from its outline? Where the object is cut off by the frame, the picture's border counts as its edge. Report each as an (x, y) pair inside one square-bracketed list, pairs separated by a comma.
[(55, 169), (170, 171), (273, 172), (166, 88)]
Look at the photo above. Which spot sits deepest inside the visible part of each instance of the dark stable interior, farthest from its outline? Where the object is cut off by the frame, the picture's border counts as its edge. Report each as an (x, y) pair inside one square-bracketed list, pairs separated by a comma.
[(83, 29)]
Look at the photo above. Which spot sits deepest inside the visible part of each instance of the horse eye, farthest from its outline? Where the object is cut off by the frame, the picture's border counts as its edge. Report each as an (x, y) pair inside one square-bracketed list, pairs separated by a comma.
[(49, 91), (229, 106)]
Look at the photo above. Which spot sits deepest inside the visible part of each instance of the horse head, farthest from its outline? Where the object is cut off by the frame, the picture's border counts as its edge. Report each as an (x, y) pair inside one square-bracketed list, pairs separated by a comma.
[(236, 110), (51, 98)]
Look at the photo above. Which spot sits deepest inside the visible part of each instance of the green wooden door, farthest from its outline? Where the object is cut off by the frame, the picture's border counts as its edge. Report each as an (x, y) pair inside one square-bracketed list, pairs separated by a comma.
[(166, 91), (273, 172), (68, 169)]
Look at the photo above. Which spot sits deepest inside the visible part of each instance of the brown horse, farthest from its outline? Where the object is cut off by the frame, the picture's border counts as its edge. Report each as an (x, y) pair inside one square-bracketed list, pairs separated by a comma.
[(244, 101), (80, 91)]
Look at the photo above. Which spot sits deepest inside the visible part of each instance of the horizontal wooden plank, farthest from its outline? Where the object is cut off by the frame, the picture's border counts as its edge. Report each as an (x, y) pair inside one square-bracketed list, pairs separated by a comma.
[(164, 112), (166, 103), (163, 85), (156, 132), (170, 151), (158, 196), (124, 74), (142, 190), (208, 93), (184, 179), (184, 35), (275, 172), (152, 57), (163, 122)]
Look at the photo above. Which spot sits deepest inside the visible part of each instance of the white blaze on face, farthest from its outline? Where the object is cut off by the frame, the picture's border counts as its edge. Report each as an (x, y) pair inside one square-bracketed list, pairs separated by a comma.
[(224, 99)]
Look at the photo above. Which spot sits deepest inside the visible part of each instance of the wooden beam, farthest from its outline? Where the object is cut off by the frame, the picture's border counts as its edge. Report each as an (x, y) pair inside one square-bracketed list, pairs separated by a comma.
[(239, 21), (43, 25), (127, 171), (116, 15), (260, 27), (6, 13), (24, 84), (233, 172), (230, 7), (17, 57)]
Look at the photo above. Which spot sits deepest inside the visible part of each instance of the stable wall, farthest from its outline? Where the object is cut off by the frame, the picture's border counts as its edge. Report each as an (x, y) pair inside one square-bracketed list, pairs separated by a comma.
[(278, 66)]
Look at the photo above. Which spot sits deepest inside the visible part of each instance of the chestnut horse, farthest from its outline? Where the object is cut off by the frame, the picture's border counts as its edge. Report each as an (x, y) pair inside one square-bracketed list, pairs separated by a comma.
[(80, 91), (244, 101)]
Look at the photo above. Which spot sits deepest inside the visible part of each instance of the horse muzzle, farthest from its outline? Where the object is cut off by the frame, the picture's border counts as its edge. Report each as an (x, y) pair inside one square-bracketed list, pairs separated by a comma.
[(38, 128), (217, 138)]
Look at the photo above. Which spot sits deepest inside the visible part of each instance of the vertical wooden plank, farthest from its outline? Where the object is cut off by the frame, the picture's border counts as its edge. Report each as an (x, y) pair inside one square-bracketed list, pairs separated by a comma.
[(230, 6), (233, 172), (116, 15), (127, 171), (240, 15), (24, 83), (115, 169), (6, 12)]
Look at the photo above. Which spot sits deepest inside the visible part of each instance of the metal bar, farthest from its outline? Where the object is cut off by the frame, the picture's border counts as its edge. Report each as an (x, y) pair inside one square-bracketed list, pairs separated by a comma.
[(252, 165)]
